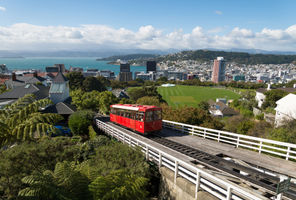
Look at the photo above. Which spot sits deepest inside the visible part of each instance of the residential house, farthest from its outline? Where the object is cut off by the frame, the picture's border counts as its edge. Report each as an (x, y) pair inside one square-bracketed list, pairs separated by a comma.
[(285, 109), (40, 91), (16, 81), (220, 109)]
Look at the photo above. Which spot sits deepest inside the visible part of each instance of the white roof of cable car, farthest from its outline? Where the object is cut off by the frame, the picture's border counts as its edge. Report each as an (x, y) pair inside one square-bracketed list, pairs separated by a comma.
[(126, 107)]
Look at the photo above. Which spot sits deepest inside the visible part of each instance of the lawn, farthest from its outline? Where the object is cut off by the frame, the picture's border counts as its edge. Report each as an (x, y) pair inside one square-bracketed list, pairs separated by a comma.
[(182, 95)]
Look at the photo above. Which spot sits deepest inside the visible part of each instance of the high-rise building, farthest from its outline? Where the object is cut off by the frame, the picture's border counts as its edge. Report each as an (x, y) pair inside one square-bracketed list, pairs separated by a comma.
[(125, 76), (151, 66), (218, 73), (124, 67)]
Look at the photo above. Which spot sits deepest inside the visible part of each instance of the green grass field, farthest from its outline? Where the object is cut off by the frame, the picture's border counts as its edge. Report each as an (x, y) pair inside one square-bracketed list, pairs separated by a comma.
[(182, 95)]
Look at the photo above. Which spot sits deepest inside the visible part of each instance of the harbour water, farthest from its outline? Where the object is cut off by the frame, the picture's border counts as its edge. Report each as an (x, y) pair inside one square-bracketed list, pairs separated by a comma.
[(39, 63)]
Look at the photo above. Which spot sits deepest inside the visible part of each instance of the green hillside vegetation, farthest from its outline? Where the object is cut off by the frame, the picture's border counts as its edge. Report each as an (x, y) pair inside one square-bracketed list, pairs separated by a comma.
[(182, 95), (238, 57)]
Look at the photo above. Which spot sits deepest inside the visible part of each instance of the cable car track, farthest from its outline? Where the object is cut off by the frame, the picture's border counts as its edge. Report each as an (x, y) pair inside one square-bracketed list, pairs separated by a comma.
[(242, 172)]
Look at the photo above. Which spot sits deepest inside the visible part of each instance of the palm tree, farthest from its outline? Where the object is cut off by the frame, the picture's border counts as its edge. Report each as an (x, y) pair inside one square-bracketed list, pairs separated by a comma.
[(21, 120)]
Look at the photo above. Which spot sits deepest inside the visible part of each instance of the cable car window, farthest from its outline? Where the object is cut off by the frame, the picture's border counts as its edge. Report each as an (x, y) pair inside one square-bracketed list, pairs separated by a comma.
[(149, 116), (140, 116), (157, 115)]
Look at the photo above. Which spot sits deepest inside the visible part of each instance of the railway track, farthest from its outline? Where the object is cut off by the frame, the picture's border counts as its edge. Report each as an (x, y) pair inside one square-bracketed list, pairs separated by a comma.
[(248, 174), (251, 175)]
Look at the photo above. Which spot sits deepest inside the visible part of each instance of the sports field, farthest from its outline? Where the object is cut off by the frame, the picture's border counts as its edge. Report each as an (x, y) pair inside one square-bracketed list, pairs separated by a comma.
[(182, 95)]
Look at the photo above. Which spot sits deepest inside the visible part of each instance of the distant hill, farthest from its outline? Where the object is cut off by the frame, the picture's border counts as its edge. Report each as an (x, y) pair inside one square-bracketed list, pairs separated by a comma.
[(238, 57), (129, 57)]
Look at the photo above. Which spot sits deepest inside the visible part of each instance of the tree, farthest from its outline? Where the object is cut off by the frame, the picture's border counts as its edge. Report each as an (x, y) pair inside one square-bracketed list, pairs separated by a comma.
[(28, 158), (148, 101), (107, 98), (21, 120), (2, 88), (119, 185), (272, 96), (92, 83), (75, 80), (79, 122), (65, 182), (204, 105)]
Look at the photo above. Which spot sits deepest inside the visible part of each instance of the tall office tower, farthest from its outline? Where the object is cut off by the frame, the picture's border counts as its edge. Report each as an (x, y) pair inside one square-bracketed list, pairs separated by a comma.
[(124, 67), (151, 66), (218, 74)]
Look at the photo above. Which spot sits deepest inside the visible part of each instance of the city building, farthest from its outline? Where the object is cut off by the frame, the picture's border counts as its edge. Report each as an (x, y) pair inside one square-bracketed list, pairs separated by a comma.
[(76, 69), (151, 66), (238, 77), (56, 68), (107, 74), (149, 76), (3, 69), (125, 76), (124, 67), (218, 73)]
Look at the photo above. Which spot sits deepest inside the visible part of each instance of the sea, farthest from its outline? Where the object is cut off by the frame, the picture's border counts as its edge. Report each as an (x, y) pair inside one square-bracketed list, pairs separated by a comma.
[(39, 63)]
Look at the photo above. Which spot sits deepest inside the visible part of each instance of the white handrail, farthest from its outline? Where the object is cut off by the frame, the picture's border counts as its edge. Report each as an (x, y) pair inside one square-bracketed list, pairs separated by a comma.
[(282, 149), (220, 188)]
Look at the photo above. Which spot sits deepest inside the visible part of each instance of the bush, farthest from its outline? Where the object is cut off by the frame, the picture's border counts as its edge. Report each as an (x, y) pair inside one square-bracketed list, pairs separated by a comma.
[(148, 101), (28, 157), (80, 121), (260, 116)]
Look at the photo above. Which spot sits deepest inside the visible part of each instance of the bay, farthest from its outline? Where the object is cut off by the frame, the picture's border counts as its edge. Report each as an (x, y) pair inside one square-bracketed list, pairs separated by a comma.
[(39, 63)]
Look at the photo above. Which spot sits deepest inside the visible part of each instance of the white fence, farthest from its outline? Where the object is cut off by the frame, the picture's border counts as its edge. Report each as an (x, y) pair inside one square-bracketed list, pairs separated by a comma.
[(271, 147), (203, 180)]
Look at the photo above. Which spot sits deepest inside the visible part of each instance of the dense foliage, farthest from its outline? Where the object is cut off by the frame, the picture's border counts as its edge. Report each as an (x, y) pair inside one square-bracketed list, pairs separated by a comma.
[(64, 168), (80, 121), (272, 96), (22, 121), (2, 88), (137, 93), (88, 84), (190, 115), (94, 100), (148, 101)]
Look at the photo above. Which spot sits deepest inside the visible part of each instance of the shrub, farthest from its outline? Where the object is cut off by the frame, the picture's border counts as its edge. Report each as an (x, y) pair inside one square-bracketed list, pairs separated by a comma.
[(80, 121)]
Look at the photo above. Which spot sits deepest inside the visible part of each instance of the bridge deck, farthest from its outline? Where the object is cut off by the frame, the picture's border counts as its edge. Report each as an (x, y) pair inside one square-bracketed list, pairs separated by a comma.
[(212, 147)]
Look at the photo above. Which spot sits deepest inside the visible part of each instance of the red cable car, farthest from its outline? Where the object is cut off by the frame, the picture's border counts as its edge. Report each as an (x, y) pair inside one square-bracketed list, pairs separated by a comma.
[(140, 118)]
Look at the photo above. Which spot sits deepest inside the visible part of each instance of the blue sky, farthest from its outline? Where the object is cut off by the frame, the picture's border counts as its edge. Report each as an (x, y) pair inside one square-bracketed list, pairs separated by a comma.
[(165, 21)]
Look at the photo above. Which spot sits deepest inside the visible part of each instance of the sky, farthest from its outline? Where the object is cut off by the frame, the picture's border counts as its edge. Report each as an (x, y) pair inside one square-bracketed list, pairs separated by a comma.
[(147, 24)]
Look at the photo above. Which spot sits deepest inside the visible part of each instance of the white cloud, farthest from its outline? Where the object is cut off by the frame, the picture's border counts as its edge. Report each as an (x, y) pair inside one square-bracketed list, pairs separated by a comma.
[(2, 8), (218, 12), (24, 36)]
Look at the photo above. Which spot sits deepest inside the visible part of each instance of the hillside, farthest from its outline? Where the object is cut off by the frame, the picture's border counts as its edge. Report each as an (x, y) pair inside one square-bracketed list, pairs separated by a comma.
[(238, 57)]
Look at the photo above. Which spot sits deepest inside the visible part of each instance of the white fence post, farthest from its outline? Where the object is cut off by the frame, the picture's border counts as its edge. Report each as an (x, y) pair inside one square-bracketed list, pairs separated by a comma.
[(147, 153), (260, 147), (288, 153), (176, 171), (197, 184), (204, 133), (229, 191), (160, 160), (219, 136), (237, 143)]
